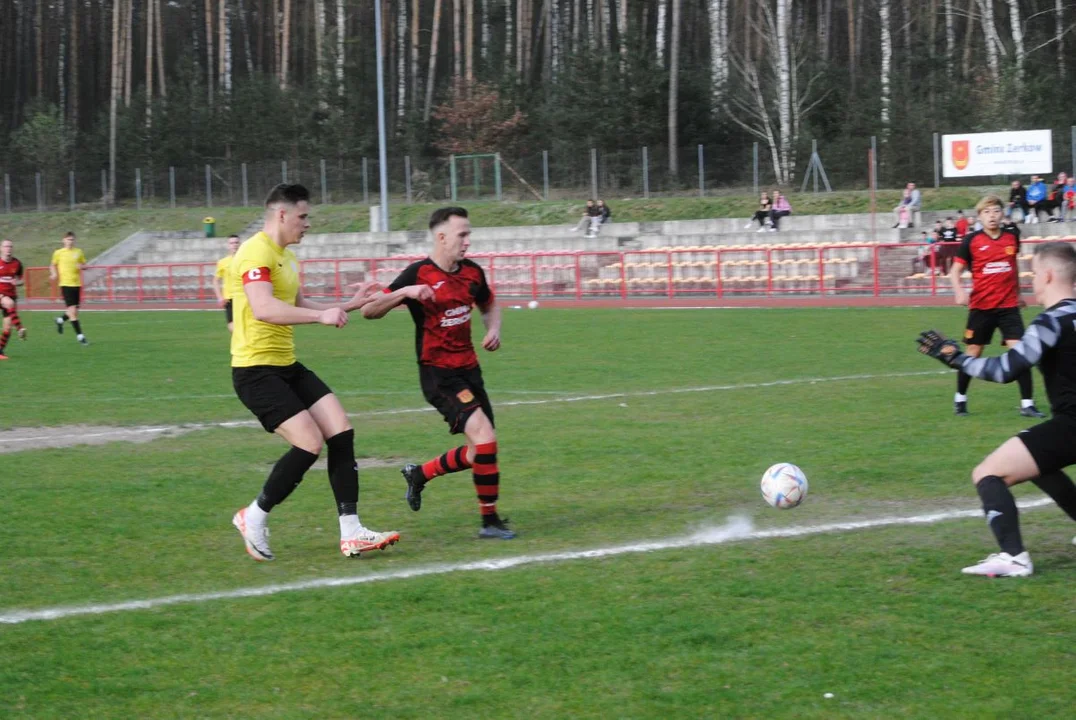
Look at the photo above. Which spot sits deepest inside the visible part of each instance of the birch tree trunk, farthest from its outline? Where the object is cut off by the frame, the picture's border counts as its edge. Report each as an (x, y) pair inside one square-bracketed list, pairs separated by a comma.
[(431, 75), (968, 34), (950, 39), (401, 58), (277, 67), (110, 194), (61, 75), (285, 43), (906, 26), (852, 44), (1015, 24), (825, 27), (457, 49), (72, 115), (659, 34), (784, 90), (161, 88), (509, 32), (1059, 37), (341, 32), (244, 27), (128, 53), (39, 35), (986, 12), (674, 85), (468, 45), (484, 50), (622, 34), (150, 37), (226, 48), (319, 45), (209, 56), (415, 84), (719, 49), (887, 60)]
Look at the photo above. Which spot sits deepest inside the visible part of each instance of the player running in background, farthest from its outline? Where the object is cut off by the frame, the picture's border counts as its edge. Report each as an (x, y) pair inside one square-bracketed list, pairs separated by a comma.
[(440, 292), (67, 263), (286, 397), (222, 281), (10, 278), (991, 256), (1040, 453)]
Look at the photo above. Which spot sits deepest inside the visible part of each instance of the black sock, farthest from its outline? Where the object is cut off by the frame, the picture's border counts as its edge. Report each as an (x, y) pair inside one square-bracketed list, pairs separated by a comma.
[(1060, 489), (1026, 385), (78, 326), (962, 382), (63, 318), (344, 472), (285, 477), (1001, 514)]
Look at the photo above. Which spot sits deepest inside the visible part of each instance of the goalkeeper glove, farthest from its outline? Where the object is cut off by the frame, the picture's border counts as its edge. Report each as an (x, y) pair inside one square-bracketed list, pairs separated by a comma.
[(941, 348)]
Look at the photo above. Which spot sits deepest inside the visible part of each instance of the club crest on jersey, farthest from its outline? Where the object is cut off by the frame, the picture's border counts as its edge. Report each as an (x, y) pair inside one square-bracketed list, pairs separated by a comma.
[(1010, 250), (465, 396)]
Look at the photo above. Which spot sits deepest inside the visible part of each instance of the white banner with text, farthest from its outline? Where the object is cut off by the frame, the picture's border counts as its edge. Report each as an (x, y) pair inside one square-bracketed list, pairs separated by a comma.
[(999, 153)]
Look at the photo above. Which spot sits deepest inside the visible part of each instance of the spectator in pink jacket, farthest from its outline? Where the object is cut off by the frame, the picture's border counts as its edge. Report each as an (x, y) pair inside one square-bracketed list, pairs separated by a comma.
[(781, 209)]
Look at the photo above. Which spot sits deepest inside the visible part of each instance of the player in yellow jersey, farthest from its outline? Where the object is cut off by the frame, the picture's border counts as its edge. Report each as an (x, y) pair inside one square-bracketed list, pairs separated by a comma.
[(66, 267), (286, 397), (222, 282)]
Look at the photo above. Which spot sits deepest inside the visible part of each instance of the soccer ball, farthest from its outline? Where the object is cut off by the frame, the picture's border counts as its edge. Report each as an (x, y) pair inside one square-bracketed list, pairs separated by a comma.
[(784, 486)]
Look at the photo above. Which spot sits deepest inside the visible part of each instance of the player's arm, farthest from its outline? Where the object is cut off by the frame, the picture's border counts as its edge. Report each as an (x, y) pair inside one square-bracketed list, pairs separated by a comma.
[(961, 261), (379, 306), (54, 268), (1043, 333), (267, 308), (365, 293), (491, 318), (218, 285)]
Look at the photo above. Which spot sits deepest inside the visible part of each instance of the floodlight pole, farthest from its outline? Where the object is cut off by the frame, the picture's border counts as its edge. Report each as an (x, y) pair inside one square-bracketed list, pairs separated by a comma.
[(382, 154)]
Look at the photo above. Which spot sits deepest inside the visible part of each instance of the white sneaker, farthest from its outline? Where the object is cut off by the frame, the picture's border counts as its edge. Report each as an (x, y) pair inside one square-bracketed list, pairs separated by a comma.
[(762, 229), (256, 538), (1002, 565), (747, 226), (365, 540)]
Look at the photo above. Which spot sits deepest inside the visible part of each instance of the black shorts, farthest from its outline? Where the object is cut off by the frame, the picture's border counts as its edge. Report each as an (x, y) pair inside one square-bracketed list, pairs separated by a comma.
[(1052, 444), (982, 323), (456, 393), (277, 393), (72, 295), (228, 311)]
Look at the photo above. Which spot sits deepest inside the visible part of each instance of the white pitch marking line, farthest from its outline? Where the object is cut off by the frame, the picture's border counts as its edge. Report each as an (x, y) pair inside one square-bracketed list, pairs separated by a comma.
[(736, 529), (509, 403)]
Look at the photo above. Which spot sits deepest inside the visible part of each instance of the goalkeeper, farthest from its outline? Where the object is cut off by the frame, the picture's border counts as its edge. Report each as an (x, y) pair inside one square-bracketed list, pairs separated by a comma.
[(1040, 453)]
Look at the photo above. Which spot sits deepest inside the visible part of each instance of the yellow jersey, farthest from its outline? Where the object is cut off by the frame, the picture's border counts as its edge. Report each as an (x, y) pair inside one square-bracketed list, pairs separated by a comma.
[(67, 262), (254, 342), (224, 272)]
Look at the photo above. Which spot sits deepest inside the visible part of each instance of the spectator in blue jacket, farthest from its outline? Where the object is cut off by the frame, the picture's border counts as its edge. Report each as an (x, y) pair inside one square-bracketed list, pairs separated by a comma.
[(1036, 197)]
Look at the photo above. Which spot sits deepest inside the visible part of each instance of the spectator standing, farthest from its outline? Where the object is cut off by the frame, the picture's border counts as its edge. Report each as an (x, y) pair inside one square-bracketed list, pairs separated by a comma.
[(781, 208), (1068, 200), (961, 224)]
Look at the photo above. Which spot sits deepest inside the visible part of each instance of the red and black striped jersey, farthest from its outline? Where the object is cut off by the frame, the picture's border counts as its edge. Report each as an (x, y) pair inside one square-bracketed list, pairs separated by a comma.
[(995, 276), (9, 268), (443, 324)]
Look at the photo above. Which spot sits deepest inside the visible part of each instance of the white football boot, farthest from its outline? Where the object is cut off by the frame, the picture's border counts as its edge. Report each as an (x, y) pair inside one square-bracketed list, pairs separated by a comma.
[(1002, 565)]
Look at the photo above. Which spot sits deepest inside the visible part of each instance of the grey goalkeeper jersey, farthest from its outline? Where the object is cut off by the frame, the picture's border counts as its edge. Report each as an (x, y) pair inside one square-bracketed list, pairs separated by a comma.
[(1050, 343)]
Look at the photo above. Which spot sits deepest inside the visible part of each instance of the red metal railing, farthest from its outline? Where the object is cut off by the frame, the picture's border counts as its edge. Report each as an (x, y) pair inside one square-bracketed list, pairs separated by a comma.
[(861, 269)]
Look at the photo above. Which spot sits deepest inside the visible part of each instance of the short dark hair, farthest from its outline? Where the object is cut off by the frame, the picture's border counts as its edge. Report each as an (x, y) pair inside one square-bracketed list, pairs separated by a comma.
[(233, 235), (69, 234), (1061, 253), (290, 194), (442, 215)]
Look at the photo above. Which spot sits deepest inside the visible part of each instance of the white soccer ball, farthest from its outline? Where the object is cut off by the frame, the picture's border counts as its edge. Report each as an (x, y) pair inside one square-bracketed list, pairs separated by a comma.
[(784, 486), (533, 304)]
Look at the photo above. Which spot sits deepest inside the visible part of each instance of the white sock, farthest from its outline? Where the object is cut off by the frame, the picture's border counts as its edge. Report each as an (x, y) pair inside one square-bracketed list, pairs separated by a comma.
[(80, 336), (349, 525), (255, 515), (1026, 403), (960, 398)]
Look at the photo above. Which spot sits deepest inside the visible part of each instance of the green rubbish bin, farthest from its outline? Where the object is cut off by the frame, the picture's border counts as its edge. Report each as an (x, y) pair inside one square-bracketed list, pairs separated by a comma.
[(210, 227)]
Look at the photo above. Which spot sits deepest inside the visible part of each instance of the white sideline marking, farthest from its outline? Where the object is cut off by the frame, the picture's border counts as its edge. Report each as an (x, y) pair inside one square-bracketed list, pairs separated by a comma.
[(736, 529), (509, 403)]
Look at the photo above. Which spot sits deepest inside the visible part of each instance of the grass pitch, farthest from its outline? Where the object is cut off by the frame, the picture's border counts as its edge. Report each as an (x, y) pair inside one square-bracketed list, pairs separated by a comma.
[(614, 427)]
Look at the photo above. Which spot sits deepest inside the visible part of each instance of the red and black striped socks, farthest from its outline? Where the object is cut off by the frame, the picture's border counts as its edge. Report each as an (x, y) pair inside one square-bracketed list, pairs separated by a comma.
[(452, 461), (487, 480)]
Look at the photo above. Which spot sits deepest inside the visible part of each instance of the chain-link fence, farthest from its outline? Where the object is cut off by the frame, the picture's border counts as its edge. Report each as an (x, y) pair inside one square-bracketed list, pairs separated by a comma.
[(696, 170)]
